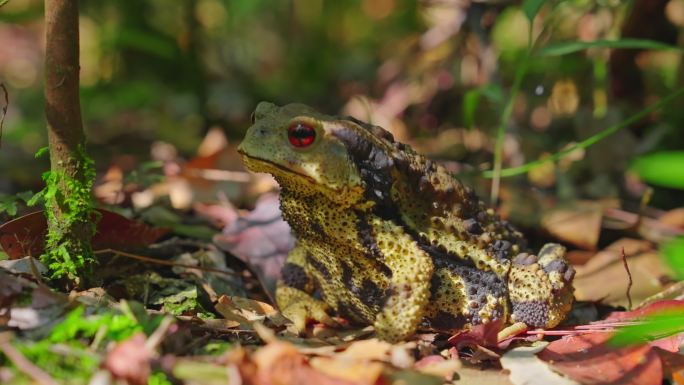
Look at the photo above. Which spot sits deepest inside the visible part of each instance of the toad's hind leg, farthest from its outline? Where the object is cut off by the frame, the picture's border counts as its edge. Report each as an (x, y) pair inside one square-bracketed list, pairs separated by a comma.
[(540, 287), (293, 293)]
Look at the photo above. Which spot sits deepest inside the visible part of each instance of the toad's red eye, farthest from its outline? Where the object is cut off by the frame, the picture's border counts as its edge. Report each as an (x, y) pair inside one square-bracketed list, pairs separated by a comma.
[(301, 135)]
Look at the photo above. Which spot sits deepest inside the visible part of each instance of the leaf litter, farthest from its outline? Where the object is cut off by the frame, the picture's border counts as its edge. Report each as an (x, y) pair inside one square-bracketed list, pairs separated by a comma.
[(224, 328)]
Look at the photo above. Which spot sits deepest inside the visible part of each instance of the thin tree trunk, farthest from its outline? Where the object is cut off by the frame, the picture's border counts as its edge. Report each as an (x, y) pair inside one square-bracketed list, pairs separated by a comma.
[(68, 199)]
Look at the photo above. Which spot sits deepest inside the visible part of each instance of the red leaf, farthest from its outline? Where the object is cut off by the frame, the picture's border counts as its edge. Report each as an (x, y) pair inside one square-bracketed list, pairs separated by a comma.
[(130, 360), (589, 360), (671, 343), (482, 335), (642, 312), (26, 235)]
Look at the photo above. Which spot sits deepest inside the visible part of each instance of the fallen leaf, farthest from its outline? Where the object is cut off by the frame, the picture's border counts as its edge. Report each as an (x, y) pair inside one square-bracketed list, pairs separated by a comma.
[(214, 284), (357, 371), (674, 307), (44, 307), (589, 360), (613, 254), (469, 374), (130, 360), (579, 225), (674, 217), (261, 239), (279, 363), (412, 377), (248, 311), (606, 267), (483, 335), (23, 265), (592, 358), (370, 349), (526, 368), (438, 366), (26, 235)]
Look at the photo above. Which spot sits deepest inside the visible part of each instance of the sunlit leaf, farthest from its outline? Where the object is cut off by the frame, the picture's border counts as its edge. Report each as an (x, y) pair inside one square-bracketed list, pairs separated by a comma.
[(531, 8), (576, 46), (8, 205), (662, 169), (674, 255), (656, 326)]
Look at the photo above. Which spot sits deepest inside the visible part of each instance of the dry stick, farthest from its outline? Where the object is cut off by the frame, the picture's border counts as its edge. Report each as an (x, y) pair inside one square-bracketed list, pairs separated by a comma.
[(163, 262), (4, 109), (158, 335), (629, 274), (24, 365)]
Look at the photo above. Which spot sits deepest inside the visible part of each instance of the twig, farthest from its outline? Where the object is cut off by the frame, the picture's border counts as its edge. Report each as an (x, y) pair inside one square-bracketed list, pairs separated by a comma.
[(163, 262), (3, 2), (159, 333), (31, 370), (219, 175), (629, 274), (4, 90)]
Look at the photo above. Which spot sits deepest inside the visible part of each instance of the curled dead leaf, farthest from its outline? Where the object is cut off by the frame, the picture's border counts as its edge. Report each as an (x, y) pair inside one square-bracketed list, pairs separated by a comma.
[(248, 311)]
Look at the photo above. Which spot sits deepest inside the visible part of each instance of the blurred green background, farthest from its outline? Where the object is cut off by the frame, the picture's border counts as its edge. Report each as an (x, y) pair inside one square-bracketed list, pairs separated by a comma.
[(436, 73)]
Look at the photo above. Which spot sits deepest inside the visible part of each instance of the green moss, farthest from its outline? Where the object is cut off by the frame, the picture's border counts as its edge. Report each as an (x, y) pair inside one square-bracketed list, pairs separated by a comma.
[(70, 213), (74, 349)]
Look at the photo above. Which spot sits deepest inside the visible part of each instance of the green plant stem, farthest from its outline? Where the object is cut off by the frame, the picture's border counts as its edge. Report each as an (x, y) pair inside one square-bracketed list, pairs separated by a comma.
[(587, 142), (505, 117)]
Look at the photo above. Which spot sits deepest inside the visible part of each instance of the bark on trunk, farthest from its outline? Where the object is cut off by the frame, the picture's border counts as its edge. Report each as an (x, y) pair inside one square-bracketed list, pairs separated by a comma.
[(69, 203)]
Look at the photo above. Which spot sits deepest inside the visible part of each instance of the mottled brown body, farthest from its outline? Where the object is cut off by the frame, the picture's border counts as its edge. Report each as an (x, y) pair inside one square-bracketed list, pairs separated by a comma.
[(389, 238)]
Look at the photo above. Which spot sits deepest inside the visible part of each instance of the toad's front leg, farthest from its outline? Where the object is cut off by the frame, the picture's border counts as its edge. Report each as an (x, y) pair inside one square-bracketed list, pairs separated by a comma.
[(409, 289)]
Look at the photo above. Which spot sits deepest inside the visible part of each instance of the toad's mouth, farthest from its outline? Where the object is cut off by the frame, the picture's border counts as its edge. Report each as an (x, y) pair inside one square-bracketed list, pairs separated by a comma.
[(287, 176), (257, 164)]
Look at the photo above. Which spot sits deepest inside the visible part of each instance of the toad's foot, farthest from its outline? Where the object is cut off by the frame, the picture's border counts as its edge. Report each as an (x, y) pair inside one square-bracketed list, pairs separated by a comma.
[(540, 287), (302, 308)]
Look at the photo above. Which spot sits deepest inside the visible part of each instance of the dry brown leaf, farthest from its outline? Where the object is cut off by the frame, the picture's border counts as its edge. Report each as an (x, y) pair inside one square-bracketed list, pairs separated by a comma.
[(579, 225), (370, 349), (279, 363), (526, 368), (438, 366), (612, 254), (468, 375), (247, 311), (674, 218), (357, 371), (604, 277)]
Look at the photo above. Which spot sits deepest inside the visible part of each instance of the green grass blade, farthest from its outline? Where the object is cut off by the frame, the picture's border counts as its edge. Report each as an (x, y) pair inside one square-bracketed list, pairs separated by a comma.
[(576, 46), (589, 141)]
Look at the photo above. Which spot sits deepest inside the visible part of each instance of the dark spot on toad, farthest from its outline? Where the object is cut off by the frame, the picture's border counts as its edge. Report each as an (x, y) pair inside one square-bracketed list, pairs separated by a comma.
[(294, 276), (319, 266)]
